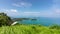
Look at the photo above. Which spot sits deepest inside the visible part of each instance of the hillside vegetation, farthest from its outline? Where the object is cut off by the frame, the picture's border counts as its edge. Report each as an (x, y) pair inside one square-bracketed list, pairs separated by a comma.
[(28, 29), (5, 20)]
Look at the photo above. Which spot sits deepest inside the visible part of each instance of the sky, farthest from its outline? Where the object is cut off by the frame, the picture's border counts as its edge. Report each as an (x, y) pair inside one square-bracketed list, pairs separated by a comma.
[(30, 8)]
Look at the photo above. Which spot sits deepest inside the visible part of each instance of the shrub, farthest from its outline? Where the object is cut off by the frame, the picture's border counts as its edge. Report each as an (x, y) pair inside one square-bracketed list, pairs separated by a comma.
[(54, 27), (4, 19)]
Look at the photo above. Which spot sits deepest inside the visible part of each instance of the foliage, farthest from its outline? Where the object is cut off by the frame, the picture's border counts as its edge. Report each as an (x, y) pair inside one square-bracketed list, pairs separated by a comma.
[(27, 29), (54, 26), (4, 19)]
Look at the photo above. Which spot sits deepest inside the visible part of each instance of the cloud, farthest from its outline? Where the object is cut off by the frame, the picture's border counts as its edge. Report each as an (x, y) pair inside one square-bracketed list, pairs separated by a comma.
[(10, 12), (33, 14), (22, 4), (16, 13), (13, 10)]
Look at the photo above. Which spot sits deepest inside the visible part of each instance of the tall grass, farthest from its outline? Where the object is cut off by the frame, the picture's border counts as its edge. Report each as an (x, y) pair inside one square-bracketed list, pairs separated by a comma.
[(28, 29)]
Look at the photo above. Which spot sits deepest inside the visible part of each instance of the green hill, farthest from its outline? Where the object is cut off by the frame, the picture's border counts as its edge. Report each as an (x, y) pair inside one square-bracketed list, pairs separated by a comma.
[(28, 29)]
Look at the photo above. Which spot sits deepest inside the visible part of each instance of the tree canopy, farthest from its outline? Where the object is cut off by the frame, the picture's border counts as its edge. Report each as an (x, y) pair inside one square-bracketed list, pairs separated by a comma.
[(4, 19)]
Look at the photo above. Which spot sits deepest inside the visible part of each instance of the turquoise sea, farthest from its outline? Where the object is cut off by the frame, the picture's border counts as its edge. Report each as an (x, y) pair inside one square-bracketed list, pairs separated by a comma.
[(42, 21)]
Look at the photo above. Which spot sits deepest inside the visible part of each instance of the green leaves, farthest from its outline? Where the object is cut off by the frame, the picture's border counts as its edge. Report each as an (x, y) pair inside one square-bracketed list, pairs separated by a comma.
[(54, 26), (4, 19)]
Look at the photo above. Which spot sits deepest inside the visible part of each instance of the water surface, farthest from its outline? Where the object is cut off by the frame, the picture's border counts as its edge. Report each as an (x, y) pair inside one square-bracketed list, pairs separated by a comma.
[(42, 21)]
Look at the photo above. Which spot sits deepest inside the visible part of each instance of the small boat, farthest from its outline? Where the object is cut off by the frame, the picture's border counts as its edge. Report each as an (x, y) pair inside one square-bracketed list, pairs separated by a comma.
[(14, 23)]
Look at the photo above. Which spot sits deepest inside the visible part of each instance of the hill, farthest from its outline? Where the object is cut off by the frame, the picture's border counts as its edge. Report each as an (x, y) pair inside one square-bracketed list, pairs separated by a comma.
[(28, 29)]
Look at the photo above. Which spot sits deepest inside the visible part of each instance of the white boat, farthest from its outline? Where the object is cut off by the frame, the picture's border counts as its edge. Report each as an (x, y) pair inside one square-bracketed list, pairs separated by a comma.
[(14, 23)]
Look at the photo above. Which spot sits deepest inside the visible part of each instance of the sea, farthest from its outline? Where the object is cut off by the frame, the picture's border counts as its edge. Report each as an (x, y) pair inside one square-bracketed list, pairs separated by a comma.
[(42, 21)]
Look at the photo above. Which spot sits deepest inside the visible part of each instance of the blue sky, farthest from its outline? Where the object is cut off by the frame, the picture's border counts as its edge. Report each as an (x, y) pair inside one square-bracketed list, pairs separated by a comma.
[(28, 8)]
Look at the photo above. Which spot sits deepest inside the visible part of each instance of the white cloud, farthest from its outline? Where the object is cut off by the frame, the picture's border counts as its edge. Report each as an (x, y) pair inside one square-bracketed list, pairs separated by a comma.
[(32, 12), (14, 13), (22, 4), (36, 14), (10, 12), (13, 10)]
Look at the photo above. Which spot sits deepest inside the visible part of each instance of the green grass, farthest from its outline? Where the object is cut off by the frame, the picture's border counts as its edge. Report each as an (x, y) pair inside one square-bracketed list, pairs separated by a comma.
[(28, 29)]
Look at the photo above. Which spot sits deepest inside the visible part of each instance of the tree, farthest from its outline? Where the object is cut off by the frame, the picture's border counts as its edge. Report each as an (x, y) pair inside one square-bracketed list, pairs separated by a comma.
[(4, 19)]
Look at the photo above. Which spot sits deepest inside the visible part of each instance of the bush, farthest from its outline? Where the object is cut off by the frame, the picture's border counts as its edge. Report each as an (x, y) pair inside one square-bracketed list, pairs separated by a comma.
[(4, 19), (54, 27)]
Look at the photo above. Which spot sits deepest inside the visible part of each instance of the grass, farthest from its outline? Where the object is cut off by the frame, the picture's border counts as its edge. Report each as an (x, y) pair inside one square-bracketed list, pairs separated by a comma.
[(28, 29)]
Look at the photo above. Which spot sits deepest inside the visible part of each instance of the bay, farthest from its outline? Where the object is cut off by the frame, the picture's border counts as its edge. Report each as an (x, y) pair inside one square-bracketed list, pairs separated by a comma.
[(42, 21)]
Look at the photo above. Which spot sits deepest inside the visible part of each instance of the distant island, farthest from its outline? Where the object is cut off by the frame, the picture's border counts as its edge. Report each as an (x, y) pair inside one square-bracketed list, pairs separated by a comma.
[(20, 19)]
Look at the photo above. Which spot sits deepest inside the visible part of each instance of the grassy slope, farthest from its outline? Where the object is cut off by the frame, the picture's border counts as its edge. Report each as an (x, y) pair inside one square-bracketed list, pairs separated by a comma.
[(27, 29)]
